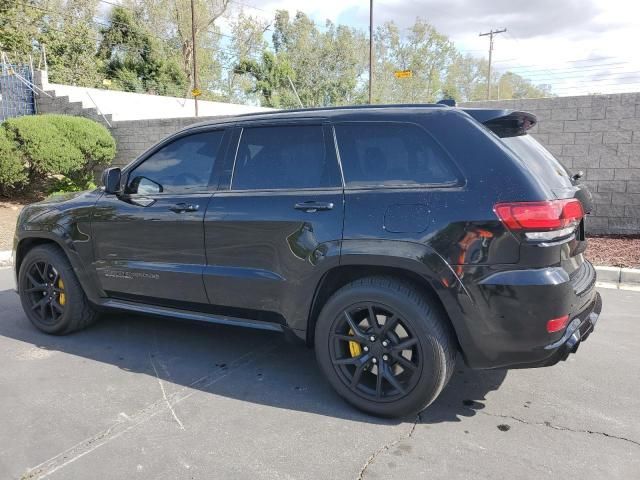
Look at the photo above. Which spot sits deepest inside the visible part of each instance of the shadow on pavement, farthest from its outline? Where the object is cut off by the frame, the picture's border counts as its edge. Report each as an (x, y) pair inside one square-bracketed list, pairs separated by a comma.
[(257, 366)]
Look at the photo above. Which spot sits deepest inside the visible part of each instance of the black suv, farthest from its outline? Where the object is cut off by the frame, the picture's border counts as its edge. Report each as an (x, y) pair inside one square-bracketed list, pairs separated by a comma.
[(388, 237)]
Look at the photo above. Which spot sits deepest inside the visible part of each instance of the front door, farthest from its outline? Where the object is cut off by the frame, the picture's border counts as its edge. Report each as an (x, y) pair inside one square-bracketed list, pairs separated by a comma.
[(149, 240), (278, 223)]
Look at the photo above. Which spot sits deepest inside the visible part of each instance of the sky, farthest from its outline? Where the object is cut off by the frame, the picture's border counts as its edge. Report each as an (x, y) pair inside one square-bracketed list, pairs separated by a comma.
[(577, 46)]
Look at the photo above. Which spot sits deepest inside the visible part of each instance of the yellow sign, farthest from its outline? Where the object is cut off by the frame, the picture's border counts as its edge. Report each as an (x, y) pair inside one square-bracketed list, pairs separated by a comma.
[(403, 74), (196, 92)]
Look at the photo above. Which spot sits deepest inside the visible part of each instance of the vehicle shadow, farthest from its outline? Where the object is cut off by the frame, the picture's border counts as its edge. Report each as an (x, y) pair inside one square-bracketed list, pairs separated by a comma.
[(244, 364)]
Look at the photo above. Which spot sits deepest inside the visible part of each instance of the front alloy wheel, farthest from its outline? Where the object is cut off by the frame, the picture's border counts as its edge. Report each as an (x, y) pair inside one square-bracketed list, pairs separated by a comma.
[(45, 292), (51, 295)]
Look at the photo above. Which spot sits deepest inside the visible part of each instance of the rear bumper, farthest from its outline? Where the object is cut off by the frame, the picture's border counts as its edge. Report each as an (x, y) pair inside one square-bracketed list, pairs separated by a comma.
[(506, 324), (577, 332)]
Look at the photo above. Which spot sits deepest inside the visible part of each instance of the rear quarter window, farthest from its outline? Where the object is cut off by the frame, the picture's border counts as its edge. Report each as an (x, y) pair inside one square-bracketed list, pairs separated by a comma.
[(539, 161), (392, 154)]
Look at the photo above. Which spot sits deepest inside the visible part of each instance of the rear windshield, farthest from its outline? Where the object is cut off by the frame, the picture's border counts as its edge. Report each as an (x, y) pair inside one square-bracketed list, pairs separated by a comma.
[(539, 160)]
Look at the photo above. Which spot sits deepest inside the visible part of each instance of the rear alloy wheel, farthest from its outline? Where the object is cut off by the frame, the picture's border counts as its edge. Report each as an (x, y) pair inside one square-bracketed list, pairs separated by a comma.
[(383, 347), (51, 295), (375, 352)]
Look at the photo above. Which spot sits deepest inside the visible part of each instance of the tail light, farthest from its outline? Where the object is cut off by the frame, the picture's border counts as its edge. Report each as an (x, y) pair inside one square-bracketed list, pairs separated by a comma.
[(546, 221)]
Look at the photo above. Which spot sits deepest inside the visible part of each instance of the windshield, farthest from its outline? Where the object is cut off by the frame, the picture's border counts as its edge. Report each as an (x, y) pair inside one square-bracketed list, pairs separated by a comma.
[(539, 160)]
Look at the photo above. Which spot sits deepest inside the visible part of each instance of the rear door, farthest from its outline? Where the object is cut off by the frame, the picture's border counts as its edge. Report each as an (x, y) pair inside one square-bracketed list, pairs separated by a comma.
[(149, 240), (270, 233)]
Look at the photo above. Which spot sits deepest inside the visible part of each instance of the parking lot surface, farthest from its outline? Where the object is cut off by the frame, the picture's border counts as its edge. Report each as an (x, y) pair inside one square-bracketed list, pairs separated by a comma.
[(137, 397)]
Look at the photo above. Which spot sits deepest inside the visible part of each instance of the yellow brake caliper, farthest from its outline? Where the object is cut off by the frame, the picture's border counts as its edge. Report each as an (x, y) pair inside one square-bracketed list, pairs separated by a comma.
[(62, 298), (354, 347)]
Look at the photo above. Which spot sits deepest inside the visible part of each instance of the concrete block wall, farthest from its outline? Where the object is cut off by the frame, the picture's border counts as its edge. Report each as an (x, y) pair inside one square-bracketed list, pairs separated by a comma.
[(600, 135)]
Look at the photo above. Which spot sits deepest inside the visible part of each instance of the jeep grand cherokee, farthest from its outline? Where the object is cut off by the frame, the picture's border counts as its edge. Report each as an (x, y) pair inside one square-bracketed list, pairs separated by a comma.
[(390, 238)]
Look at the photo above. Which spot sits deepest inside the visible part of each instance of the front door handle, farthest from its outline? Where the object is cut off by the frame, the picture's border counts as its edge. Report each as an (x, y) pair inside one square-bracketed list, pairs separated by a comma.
[(184, 207), (312, 206)]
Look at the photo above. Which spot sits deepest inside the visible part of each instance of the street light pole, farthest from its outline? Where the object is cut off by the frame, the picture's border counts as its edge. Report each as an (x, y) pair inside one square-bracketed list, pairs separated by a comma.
[(491, 34), (370, 51), (193, 53)]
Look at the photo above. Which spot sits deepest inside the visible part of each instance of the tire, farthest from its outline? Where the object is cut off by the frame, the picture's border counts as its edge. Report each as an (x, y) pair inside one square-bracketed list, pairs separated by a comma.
[(427, 363), (68, 310)]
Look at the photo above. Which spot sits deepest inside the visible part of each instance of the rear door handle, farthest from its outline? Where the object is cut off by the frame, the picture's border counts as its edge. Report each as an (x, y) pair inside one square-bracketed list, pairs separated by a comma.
[(312, 206), (184, 207)]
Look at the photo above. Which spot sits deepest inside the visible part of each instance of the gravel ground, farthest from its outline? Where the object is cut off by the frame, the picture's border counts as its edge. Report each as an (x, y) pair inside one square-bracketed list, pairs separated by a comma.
[(613, 250)]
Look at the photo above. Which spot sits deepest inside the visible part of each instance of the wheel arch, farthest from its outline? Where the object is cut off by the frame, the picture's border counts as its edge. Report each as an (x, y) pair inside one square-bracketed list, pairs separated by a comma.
[(430, 273), (36, 238)]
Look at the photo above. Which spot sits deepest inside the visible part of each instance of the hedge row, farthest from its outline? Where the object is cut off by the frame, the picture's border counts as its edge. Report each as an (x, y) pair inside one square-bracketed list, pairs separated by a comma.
[(37, 148)]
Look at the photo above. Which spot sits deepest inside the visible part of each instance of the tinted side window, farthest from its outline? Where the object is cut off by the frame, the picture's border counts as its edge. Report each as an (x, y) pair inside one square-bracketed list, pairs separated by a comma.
[(389, 154), (183, 165), (284, 157)]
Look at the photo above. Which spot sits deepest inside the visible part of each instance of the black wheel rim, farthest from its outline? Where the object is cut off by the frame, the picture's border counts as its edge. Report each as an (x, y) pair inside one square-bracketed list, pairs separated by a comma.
[(376, 353), (44, 289)]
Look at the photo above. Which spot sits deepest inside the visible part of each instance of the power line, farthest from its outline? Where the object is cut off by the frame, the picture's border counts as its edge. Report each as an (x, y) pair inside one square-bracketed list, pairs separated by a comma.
[(566, 70)]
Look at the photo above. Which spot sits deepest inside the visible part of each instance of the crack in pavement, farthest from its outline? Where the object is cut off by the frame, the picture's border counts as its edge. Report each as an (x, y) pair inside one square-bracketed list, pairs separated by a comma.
[(123, 426), (388, 446), (559, 427)]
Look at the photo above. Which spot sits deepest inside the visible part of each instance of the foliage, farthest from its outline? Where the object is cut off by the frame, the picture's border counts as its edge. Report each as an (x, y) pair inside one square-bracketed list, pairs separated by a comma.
[(271, 75), (146, 46), (12, 173), (49, 145), (19, 27), (70, 40), (328, 65), (64, 185), (135, 60)]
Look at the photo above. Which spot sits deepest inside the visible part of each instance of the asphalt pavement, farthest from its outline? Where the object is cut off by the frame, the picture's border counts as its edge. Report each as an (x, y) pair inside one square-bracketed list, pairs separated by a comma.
[(138, 397)]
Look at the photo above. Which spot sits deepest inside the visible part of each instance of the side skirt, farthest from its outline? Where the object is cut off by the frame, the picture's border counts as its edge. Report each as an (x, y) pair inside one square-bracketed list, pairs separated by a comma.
[(188, 315)]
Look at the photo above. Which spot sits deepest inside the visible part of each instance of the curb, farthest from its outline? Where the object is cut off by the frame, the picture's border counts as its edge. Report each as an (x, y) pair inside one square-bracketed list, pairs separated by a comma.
[(618, 277), (612, 277), (5, 258)]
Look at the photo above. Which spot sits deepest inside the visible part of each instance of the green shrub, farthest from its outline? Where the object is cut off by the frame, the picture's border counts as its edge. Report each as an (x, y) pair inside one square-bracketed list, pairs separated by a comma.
[(12, 172), (61, 145)]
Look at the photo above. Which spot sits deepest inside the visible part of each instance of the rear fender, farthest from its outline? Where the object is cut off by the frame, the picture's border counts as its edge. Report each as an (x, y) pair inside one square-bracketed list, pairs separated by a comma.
[(425, 262)]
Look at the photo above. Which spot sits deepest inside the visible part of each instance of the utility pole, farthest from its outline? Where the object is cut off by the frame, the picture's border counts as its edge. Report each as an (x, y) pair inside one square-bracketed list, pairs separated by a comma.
[(195, 91), (490, 34), (370, 52)]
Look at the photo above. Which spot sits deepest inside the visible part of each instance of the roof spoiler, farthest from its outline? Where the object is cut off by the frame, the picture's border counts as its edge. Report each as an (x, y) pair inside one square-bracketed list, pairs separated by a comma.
[(504, 123)]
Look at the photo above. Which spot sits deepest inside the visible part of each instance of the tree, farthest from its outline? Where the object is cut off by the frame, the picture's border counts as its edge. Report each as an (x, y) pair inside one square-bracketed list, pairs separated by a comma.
[(247, 43), (171, 20), (135, 60), (19, 41), (424, 51), (512, 85), (271, 79), (71, 41), (328, 65)]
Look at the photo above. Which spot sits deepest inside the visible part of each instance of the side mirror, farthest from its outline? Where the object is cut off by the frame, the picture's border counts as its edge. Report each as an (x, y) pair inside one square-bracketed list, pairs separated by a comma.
[(111, 180)]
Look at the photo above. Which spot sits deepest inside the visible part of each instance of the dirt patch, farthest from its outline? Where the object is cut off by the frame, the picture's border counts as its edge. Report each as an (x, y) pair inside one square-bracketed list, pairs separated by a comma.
[(615, 250), (9, 212)]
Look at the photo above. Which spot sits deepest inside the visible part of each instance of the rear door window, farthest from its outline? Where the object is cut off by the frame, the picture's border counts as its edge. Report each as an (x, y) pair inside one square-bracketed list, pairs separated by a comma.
[(285, 157), (391, 154)]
